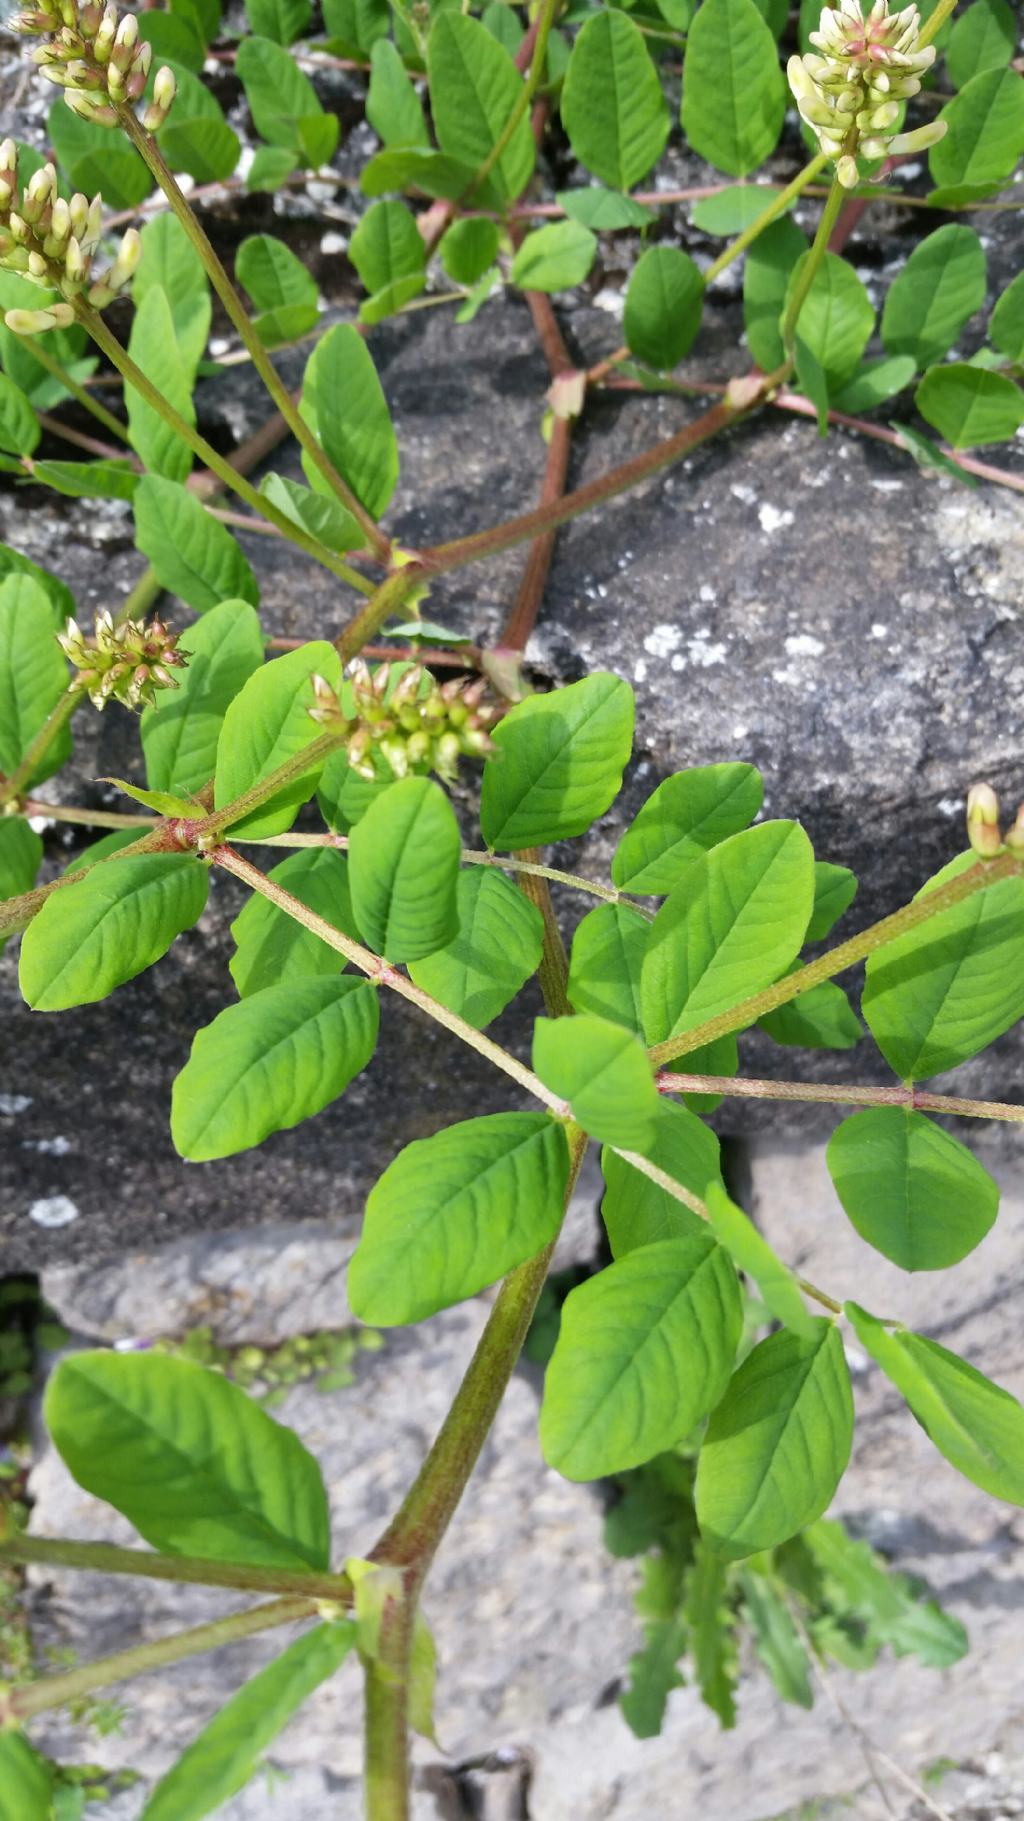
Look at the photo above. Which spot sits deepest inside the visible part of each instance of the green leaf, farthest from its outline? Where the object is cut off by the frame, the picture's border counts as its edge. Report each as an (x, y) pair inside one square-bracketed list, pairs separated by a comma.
[(604, 211), (266, 724), (837, 317), (454, 1212), (733, 209), (356, 25), (664, 301), (732, 925), (19, 425), (392, 298), (227, 1752), (752, 1255), (173, 37), (496, 950), (281, 288), (821, 1019), (813, 382), (33, 675), (776, 1638), (281, 20), (271, 946), (468, 249), (975, 1424), (984, 131), (387, 246), (419, 168), (645, 1350), (197, 138), (861, 1582), (938, 291), (911, 1189), (180, 732), (106, 480), (343, 796), (283, 102), (153, 345), (873, 382), (554, 258), (270, 1062), (26, 1781), (734, 95), (653, 1674), (165, 803), (196, 1465), (98, 932), (194, 556), (834, 891), (93, 158), (170, 263), (613, 108), (344, 406), (603, 1071), (271, 167), (766, 276), (984, 37), (939, 994), (604, 969), (393, 107), (969, 406), (21, 854), (778, 1444), (688, 814), (321, 514), (1006, 329), (559, 763), (404, 869), (638, 1212), (928, 454), (712, 1622), (474, 86)]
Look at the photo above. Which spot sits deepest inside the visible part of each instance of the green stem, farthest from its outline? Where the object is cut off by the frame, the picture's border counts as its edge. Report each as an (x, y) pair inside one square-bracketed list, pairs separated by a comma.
[(380, 972), (229, 476), (387, 1769), (31, 1698), (308, 759), (383, 602), (146, 590), (148, 149), (776, 207), (934, 25), (108, 1558), (978, 878), (553, 972), (917, 1099), (537, 61), (811, 265), (87, 818), (42, 354)]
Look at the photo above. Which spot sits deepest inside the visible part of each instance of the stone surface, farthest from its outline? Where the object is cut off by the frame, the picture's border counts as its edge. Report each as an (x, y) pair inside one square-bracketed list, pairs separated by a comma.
[(864, 650), (533, 1620)]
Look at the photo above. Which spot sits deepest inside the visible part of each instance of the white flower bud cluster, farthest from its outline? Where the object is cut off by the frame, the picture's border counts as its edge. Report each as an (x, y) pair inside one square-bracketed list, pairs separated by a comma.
[(97, 58), (850, 94), (416, 725), (53, 243), (125, 663)]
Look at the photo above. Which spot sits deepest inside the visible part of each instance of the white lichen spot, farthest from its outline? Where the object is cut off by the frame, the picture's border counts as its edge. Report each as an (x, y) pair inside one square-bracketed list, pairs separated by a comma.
[(12, 1104), (662, 640), (678, 662), (951, 806), (703, 654), (878, 631), (640, 671), (772, 519), (740, 733), (788, 678), (332, 242), (53, 1211), (707, 593), (743, 493), (51, 1147), (39, 824), (612, 302), (887, 486), (802, 645)]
